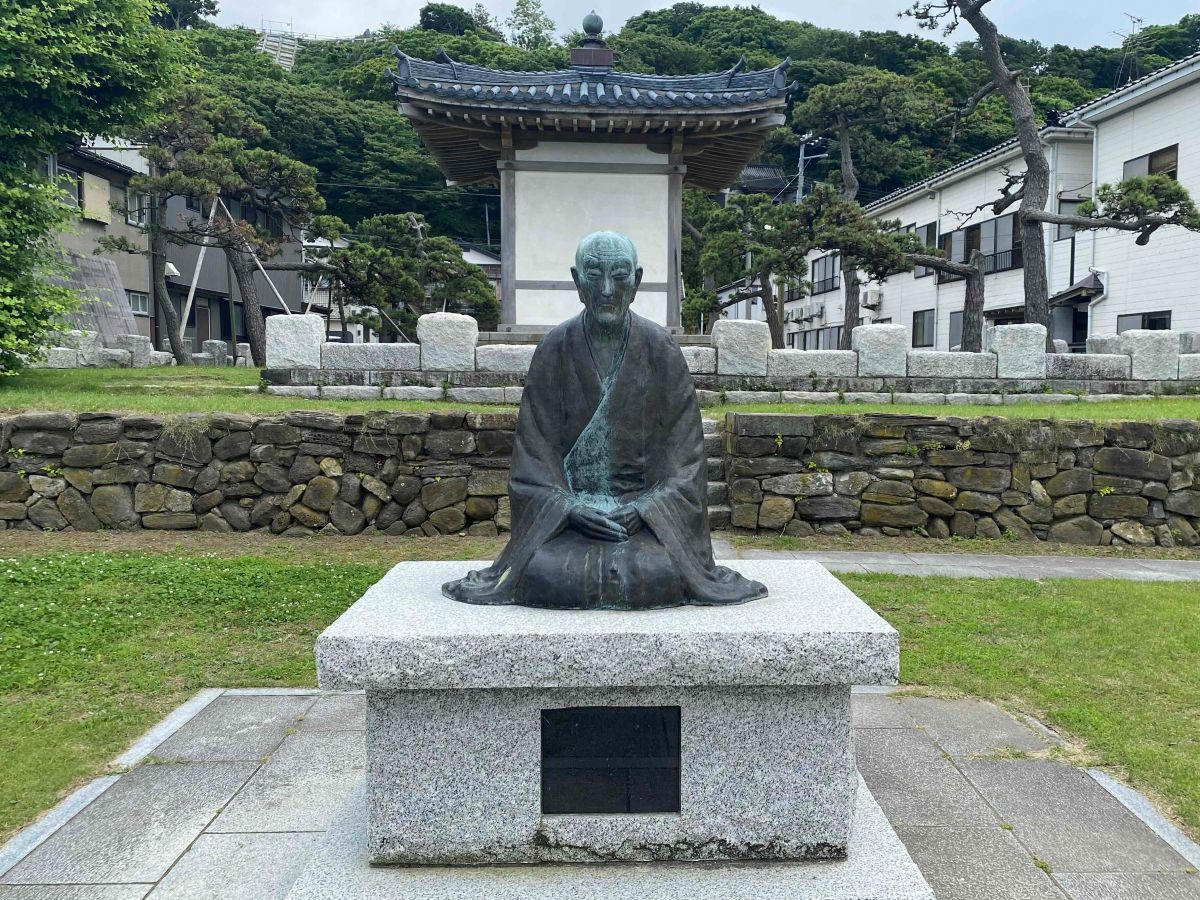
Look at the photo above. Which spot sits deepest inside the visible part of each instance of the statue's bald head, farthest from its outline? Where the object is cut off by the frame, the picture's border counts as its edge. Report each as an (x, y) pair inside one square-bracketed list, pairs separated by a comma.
[(607, 274), (609, 244)]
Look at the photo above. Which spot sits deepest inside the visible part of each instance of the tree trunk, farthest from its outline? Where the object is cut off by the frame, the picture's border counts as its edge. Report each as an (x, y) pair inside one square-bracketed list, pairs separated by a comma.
[(852, 288), (1036, 188), (972, 332), (162, 298), (256, 328), (773, 306)]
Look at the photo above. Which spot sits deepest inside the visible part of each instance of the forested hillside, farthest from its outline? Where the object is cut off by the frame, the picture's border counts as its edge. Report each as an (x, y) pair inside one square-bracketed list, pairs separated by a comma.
[(335, 110)]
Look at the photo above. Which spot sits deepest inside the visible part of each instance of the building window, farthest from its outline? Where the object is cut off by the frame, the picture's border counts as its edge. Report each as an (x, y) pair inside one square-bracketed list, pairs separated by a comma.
[(139, 302), (1160, 162), (956, 325), (827, 273), (829, 338), (1152, 321), (927, 235), (71, 183), (137, 208), (999, 240), (1067, 208), (922, 330)]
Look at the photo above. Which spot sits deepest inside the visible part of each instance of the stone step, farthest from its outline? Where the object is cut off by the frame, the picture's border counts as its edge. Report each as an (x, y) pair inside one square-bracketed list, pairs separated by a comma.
[(711, 426), (718, 516), (718, 491), (716, 468), (712, 444)]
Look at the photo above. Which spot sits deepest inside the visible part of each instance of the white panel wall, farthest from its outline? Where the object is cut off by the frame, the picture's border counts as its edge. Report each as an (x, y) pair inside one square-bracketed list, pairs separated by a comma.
[(1161, 275)]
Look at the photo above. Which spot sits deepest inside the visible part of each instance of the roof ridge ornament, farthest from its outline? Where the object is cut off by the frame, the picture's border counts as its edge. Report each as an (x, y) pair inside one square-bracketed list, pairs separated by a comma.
[(737, 67), (592, 52), (443, 57)]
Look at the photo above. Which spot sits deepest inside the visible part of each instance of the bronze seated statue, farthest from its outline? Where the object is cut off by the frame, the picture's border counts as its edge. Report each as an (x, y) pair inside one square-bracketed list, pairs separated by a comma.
[(609, 477)]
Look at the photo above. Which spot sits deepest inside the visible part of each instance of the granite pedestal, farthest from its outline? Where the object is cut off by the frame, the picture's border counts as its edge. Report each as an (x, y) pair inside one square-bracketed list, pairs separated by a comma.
[(456, 694)]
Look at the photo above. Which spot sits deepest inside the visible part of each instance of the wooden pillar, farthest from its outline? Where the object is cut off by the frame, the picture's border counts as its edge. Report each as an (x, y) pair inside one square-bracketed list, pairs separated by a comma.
[(508, 233)]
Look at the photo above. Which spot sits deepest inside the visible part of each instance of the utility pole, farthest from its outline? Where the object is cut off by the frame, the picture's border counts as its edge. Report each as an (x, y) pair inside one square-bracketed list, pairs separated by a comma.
[(808, 142)]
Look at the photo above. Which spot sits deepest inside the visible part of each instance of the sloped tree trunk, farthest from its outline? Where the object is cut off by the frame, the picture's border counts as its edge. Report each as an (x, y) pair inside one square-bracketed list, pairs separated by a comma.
[(773, 305), (853, 291), (162, 297), (972, 334), (1036, 187), (252, 314)]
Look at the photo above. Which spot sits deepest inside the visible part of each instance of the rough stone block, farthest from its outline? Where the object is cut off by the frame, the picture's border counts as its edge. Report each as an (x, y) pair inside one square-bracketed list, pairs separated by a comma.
[(371, 357), (351, 392), (806, 363), (742, 346), (749, 682), (925, 399), (1189, 365), (810, 397), (58, 358), (700, 360), (1061, 346), (139, 348), (447, 342), (753, 397), (294, 342), (882, 350), (1155, 354), (293, 390), (940, 364), (111, 358), (412, 392), (89, 345), (161, 358), (1020, 351), (1087, 365), (475, 394), (504, 357), (1189, 341), (219, 351), (513, 394), (867, 396), (1107, 343), (203, 359)]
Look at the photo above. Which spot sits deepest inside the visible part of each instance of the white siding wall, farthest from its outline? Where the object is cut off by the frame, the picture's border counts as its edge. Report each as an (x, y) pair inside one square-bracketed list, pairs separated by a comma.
[(1161, 275)]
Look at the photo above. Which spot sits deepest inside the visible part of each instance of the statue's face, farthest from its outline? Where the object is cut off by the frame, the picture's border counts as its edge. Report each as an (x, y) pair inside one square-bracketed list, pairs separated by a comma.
[(607, 280)]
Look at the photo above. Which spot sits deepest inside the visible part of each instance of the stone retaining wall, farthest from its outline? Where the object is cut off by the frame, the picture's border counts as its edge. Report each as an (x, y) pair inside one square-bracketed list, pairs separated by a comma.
[(299, 473), (1073, 482), (449, 363), (446, 473)]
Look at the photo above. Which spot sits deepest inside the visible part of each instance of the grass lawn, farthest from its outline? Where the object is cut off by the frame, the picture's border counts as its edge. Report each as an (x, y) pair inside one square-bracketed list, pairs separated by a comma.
[(95, 647), (182, 390)]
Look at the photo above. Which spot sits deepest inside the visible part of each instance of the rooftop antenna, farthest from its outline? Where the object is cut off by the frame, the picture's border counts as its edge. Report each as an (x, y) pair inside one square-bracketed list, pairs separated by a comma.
[(1130, 42)]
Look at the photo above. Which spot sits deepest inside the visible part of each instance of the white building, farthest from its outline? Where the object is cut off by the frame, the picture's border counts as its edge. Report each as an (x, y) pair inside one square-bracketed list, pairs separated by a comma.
[(1100, 282)]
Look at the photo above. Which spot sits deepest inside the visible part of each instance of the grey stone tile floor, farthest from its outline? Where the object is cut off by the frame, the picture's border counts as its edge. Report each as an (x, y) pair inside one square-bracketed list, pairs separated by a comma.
[(229, 798), (968, 565)]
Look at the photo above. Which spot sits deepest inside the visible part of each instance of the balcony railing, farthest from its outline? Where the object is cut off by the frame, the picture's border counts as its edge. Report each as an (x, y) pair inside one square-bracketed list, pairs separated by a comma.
[(992, 263)]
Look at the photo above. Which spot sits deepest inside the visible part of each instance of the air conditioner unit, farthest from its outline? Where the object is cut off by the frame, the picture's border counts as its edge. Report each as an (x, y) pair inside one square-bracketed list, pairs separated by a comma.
[(872, 298)]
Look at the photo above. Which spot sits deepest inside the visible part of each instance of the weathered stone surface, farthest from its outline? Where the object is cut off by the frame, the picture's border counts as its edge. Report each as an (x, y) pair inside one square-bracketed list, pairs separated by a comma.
[(700, 360), (940, 364), (99, 431), (742, 346), (478, 508), (412, 392), (45, 514), (74, 507), (160, 498), (1189, 365), (46, 486), (1079, 530), (1155, 353), (447, 341), (1012, 525), (973, 501), (828, 508), (294, 342), (1020, 351), (1184, 502), (14, 488), (504, 357), (41, 443), (801, 484), (908, 515), (935, 488), (139, 348), (170, 521), (882, 350), (1134, 533), (112, 504), (372, 357), (1070, 481), (348, 519), (1116, 506), (812, 363), (439, 494), (448, 520), (445, 444), (978, 478), (1132, 463), (1087, 365), (111, 358), (272, 478), (488, 482), (231, 446), (320, 493), (775, 512)]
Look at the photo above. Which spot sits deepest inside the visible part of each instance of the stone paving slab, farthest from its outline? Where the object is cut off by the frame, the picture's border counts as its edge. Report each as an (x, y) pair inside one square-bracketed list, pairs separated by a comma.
[(301, 787), (879, 711), (969, 727), (914, 783), (232, 728), (136, 829), (74, 892), (238, 867), (984, 863), (877, 868), (1131, 887), (337, 712), (1066, 819)]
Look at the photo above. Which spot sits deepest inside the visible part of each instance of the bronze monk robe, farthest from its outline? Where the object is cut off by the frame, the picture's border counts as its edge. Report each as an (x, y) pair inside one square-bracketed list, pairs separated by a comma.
[(608, 483)]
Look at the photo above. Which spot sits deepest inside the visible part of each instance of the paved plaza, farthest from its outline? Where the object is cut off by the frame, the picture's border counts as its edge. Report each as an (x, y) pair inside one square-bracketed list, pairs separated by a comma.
[(229, 796)]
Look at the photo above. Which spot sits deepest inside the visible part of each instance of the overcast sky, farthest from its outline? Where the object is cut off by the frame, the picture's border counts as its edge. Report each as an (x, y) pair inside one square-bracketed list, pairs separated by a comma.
[(1074, 22)]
